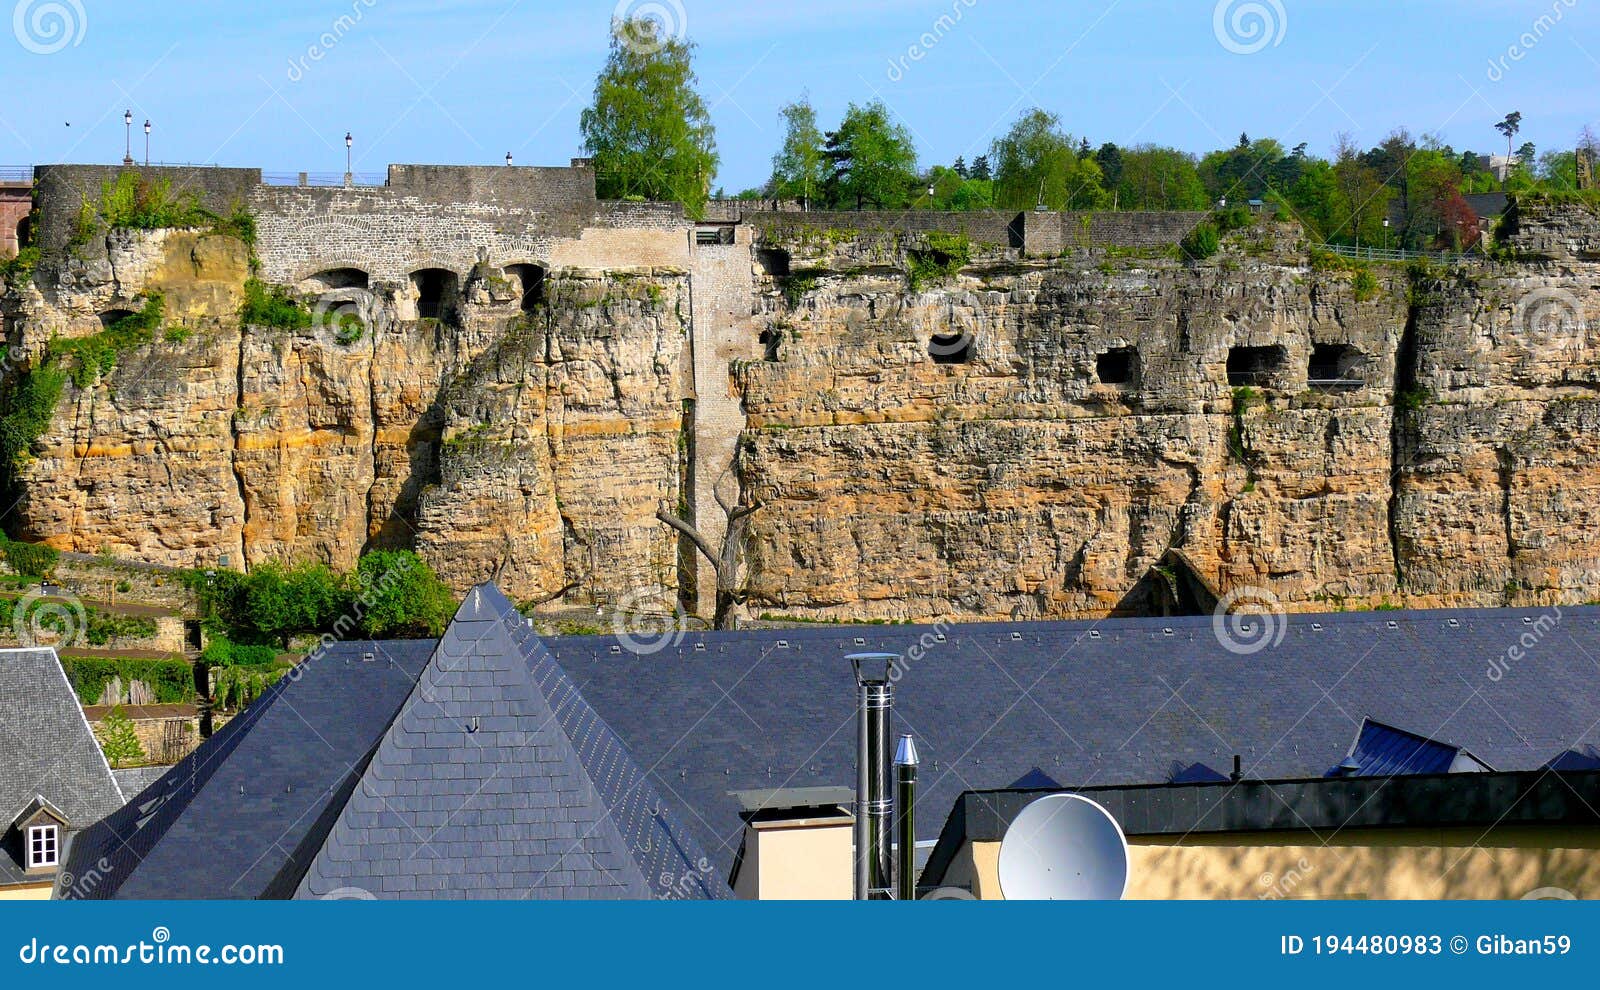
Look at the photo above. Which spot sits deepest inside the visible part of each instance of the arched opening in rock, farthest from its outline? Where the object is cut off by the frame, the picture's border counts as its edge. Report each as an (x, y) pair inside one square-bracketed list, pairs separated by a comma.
[(771, 341), (950, 348), (773, 261), (111, 317), (337, 278), (436, 289), (1118, 366), (24, 232), (1334, 366), (1255, 367), (529, 280)]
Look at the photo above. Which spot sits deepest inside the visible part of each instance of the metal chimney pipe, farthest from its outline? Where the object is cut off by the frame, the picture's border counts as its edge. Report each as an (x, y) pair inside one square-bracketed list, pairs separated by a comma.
[(905, 818), (874, 804)]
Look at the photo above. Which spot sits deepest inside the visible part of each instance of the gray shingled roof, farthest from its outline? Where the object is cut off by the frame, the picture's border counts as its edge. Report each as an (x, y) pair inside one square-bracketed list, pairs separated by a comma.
[(1118, 701), (239, 817), (497, 780), (46, 748)]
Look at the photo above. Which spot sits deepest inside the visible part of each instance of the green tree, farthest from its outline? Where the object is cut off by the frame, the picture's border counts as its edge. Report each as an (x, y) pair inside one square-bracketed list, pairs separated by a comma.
[(800, 167), (119, 741), (648, 130), (397, 595), (1156, 178), (1361, 200), (873, 160), (1036, 161), (281, 602), (1109, 158), (981, 169)]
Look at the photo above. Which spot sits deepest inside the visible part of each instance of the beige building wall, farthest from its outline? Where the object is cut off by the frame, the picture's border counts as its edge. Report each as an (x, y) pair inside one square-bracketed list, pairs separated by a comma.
[(26, 892), (797, 860), (1377, 864)]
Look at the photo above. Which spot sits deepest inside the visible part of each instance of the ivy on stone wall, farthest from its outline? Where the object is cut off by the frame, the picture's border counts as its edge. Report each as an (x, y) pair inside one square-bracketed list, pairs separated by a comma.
[(171, 681)]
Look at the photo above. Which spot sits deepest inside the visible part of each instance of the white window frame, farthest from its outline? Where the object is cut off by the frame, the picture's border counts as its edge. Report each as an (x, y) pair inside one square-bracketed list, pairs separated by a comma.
[(44, 846)]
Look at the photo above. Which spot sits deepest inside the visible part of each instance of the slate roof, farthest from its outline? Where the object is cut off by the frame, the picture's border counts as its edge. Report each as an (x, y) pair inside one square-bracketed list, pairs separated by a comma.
[(46, 750), (1109, 702), (226, 821), (497, 780), (1384, 750)]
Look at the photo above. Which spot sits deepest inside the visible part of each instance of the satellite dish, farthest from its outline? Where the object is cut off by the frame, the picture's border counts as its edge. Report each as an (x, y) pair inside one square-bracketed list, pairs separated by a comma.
[(1064, 848)]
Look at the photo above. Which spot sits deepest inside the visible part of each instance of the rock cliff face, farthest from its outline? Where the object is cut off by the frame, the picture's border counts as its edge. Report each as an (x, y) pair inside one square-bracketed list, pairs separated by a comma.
[(935, 426), (530, 442)]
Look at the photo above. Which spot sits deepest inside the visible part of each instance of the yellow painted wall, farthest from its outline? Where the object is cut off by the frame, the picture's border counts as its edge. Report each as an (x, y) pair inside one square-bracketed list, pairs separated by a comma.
[(26, 893), (797, 861), (1380, 864)]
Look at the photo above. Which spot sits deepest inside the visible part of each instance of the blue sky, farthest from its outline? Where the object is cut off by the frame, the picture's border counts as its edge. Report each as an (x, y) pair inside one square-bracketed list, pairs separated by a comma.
[(468, 81)]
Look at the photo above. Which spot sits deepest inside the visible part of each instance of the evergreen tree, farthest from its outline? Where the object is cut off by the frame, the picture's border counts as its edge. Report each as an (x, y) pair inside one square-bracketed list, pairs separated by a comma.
[(981, 170), (648, 130), (119, 741), (873, 160), (960, 167)]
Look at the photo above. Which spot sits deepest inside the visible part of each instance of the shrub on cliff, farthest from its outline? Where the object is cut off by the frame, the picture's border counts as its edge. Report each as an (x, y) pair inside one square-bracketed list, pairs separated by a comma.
[(119, 741), (96, 355), (1202, 242), (134, 202), (271, 306), (29, 406), (31, 559)]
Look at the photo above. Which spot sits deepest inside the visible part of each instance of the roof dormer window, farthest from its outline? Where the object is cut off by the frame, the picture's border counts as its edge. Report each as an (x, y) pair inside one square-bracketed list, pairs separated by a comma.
[(44, 846)]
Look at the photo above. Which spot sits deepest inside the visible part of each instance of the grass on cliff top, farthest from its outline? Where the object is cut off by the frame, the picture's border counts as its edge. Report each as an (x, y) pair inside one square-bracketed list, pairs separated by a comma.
[(132, 201)]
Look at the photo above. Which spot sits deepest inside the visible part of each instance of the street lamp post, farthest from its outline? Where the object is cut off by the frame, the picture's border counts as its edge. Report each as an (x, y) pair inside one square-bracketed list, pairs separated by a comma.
[(127, 138), (147, 142), (349, 142)]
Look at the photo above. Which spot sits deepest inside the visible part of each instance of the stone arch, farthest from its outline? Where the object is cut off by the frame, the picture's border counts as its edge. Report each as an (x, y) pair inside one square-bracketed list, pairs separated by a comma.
[(529, 277), (340, 277), (436, 292), (24, 232)]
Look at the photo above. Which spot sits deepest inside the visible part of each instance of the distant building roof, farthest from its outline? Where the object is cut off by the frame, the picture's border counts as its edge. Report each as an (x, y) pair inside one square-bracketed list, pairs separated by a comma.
[(48, 752), (497, 780)]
